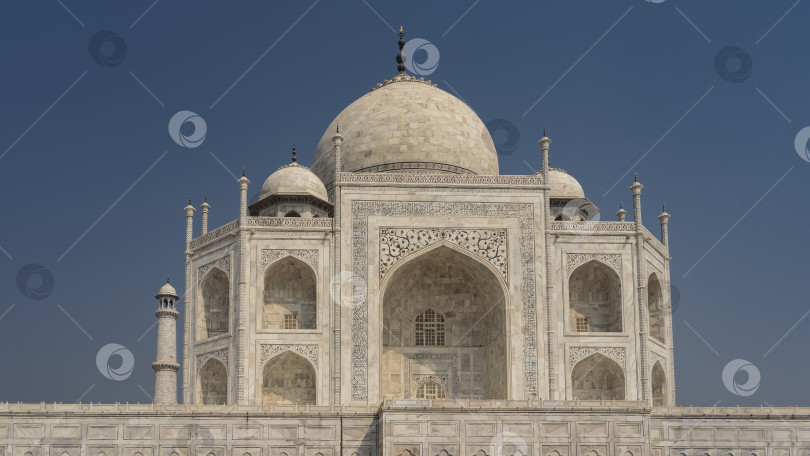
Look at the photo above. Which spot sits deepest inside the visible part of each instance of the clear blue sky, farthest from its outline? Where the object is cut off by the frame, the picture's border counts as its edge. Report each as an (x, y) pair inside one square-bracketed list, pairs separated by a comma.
[(615, 80)]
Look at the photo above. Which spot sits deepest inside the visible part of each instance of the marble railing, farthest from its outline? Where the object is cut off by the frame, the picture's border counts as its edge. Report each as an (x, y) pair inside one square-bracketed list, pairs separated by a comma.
[(595, 227), (261, 222)]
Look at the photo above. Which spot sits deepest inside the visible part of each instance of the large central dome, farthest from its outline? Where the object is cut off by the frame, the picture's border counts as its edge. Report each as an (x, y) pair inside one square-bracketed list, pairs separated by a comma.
[(408, 125)]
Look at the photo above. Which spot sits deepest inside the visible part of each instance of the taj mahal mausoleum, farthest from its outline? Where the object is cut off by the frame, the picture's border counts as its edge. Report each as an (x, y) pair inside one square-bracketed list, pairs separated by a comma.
[(400, 297)]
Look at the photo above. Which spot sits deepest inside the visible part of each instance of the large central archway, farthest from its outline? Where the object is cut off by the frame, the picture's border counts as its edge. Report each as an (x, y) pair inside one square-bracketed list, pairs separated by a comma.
[(444, 326)]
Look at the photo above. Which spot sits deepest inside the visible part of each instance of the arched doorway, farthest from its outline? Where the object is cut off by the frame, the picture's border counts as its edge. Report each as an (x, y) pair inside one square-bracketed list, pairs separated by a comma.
[(288, 378), (444, 318), (659, 385), (655, 306), (595, 299), (213, 378), (597, 377), (289, 296), (213, 320)]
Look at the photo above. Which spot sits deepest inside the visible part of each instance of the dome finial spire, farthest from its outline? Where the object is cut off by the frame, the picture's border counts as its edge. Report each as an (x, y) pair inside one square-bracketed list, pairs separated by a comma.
[(293, 153), (401, 56)]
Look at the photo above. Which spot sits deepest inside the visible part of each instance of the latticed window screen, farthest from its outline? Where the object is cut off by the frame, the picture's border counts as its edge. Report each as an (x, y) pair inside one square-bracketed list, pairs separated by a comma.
[(290, 321), (431, 390), (583, 325), (430, 328)]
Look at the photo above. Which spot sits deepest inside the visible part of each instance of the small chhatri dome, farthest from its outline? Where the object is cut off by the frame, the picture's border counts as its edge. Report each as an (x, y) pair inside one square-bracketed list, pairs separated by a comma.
[(408, 125), (167, 289), (294, 179), (563, 185)]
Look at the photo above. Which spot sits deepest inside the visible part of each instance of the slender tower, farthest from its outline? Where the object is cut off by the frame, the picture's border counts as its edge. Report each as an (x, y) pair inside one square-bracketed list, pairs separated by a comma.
[(165, 364)]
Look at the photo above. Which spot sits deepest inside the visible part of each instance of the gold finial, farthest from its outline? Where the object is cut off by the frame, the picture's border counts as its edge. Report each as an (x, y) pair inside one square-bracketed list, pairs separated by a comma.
[(401, 31), (293, 153)]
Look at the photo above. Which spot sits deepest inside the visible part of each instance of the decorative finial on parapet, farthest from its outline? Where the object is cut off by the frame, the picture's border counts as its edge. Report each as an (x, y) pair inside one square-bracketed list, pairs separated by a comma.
[(243, 171), (622, 213), (544, 132), (167, 280), (635, 177), (205, 207), (664, 219), (293, 154), (337, 128), (189, 201), (401, 55)]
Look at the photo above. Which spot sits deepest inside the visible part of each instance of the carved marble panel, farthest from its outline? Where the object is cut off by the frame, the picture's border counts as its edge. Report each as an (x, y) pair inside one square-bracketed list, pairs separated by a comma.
[(398, 243), (308, 256), (572, 260), (268, 351), (220, 354), (577, 354), (223, 263)]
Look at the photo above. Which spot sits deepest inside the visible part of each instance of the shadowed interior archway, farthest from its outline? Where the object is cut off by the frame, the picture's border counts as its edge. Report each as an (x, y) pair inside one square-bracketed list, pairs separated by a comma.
[(655, 306), (659, 385), (213, 383), (213, 319), (597, 377), (444, 319), (289, 378), (594, 295), (290, 295)]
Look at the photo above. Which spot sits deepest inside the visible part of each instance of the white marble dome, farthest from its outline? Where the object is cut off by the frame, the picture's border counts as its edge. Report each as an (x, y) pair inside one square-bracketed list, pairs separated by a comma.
[(563, 185), (294, 179), (408, 125), (167, 289)]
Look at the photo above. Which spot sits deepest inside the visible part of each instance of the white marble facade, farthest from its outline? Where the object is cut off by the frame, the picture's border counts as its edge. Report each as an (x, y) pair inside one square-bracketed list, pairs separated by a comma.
[(403, 298)]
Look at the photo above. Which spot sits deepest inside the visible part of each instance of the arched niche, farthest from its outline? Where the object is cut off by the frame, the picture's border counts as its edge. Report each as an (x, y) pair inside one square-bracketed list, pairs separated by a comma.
[(459, 296), (289, 378), (659, 385), (595, 299), (214, 317), (290, 295), (213, 383), (597, 377), (655, 306)]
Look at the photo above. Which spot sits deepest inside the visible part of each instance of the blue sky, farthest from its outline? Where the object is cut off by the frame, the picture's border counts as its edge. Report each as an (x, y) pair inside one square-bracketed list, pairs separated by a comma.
[(92, 185)]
